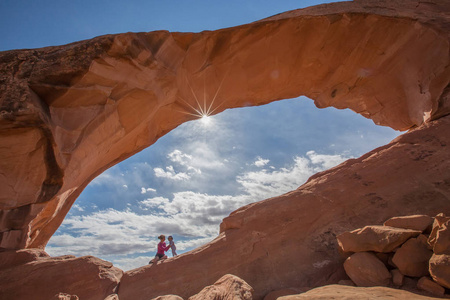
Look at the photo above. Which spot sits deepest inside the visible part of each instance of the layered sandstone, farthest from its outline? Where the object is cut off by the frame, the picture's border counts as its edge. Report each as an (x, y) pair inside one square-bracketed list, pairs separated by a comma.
[(68, 113)]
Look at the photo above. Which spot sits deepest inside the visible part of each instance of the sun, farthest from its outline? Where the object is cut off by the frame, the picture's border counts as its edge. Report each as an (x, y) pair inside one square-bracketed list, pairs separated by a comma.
[(205, 119)]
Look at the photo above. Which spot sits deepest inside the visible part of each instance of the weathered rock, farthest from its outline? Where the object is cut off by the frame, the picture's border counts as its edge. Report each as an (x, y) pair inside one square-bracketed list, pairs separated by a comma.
[(310, 257), (374, 238), (346, 282), (86, 277), (11, 258), (430, 286), (229, 287), (440, 269), (412, 258), (365, 269), (439, 220), (414, 222), (168, 297), (116, 297), (290, 291), (397, 277), (70, 112), (64, 296), (442, 241), (342, 292)]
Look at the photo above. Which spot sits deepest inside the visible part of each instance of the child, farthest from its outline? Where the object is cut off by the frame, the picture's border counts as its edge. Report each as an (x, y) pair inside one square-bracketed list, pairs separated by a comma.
[(161, 249), (172, 246)]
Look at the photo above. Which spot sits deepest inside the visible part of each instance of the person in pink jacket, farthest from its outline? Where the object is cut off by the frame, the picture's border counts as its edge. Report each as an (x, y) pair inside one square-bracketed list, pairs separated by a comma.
[(161, 249)]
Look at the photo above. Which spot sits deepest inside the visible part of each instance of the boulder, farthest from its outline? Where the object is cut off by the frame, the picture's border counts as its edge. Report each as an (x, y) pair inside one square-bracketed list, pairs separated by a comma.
[(365, 269), (87, 277), (414, 222), (168, 297), (116, 297), (397, 277), (440, 269), (11, 258), (439, 220), (426, 284), (64, 296), (342, 292), (374, 238), (412, 258), (274, 295), (229, 287), (442, 240)]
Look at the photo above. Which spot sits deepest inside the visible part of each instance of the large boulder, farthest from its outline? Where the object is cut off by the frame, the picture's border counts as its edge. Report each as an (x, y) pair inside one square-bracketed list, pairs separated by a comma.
[(229, 287), (87, 277), (414, 222), (439, 220), (426, 284), (440, 269), (442, 240), (340, 292), (412, 258), (374, 238), (365, 269)]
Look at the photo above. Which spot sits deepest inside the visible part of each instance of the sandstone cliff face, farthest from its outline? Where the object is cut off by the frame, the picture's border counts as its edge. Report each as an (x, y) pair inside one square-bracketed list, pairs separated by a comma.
[(68, 113)]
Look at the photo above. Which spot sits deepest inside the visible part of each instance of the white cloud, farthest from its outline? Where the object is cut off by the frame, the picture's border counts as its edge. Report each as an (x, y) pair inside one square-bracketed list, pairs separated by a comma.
[(170, 173), (146, 190), (260, 162)]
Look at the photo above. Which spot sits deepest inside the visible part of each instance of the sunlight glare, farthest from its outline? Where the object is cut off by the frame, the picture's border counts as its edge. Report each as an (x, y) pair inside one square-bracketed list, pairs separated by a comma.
[(206, 120)]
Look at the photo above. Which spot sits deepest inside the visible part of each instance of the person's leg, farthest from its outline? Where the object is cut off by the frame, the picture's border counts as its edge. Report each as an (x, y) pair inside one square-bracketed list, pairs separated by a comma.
[(155, 260)]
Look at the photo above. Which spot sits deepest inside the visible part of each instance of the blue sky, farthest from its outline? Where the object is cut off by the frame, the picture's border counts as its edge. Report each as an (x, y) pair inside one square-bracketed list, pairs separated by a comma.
[(193, 177)]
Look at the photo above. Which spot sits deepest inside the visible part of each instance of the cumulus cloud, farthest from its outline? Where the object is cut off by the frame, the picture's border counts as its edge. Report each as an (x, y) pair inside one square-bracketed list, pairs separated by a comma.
[(146, 190), (260, 162)]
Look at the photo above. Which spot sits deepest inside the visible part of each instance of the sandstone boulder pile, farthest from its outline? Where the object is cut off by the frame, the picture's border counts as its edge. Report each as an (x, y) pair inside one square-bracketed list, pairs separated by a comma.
[(416, 247)]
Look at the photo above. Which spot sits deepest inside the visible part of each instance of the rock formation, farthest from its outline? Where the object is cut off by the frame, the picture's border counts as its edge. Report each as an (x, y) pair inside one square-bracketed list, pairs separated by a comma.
[(68, 113)]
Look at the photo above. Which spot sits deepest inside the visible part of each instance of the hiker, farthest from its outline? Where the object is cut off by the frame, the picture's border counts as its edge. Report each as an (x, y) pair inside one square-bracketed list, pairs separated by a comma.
[(172, 246), (161, 249)]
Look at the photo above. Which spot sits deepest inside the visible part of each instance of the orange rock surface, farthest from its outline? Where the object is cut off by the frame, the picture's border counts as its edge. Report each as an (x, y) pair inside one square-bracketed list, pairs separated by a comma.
[(68, 113)]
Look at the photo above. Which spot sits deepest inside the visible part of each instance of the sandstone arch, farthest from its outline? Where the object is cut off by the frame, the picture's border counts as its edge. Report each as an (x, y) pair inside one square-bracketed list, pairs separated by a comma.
[(68, 113)]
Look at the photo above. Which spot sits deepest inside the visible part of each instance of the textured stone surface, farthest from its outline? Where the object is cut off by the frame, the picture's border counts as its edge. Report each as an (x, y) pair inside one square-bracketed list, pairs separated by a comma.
[(365, 269), (356, 193), (229, 287), (397, 277), (70, 112), (88, 278), (340, 292), (430, 286), (440, 269), (415, 222), (412, 258), (374, 238), (439, 220), (442, 242), (168, 297)]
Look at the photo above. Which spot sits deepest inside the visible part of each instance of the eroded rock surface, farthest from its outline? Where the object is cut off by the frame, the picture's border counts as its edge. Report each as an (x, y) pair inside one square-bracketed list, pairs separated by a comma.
[(70, 112)]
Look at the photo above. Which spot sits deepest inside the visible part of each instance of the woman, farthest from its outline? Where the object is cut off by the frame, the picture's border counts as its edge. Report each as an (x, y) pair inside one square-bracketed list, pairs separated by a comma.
[(161, 249)]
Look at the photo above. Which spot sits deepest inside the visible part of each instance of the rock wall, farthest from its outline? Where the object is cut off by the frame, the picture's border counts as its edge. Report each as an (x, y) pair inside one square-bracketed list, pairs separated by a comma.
[(290, 241), (68, 113)]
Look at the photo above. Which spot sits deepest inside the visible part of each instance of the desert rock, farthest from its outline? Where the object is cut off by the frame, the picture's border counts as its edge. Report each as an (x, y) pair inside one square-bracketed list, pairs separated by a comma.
[(365, 269), (397, 277), (229, 287), (168, 297), (440, 269), (340, 292), (414, 222), (442, 240), (439, 220), (430, 286), (374, 238), (412, 258), (88, 278), (70, 112)]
